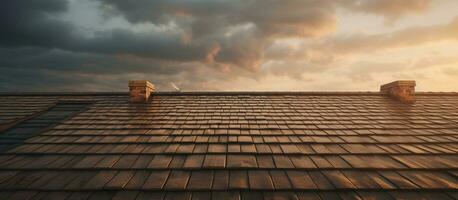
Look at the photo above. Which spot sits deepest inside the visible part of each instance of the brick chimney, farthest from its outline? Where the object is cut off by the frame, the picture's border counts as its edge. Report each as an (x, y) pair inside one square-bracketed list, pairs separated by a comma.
[(139, 91), (403, 90)]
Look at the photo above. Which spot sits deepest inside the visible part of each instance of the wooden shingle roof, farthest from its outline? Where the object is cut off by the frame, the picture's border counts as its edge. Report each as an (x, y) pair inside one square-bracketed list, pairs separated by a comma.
[(216, 145)]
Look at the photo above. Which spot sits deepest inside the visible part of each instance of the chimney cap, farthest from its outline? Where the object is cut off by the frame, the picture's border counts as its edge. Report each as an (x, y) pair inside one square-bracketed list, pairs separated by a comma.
[(140, 83), (397, 84)]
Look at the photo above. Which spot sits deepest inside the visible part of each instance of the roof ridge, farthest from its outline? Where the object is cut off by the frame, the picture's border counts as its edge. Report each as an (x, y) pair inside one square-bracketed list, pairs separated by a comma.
[(218, 93)]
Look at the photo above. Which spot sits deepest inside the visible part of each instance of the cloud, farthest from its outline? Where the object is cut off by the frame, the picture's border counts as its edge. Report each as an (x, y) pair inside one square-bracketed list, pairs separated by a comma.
[(229, 33), (29, 23), (224, 32), (281, 18), (390, 9), (341, 45), (31, 69), (412, 36), (239, 31), (199, 44), (361, 55)]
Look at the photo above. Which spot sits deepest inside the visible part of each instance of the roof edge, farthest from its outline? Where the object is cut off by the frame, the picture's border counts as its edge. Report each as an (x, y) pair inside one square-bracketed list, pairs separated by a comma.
[(264, 93), (63, 93), (298, 93), (217, 93)]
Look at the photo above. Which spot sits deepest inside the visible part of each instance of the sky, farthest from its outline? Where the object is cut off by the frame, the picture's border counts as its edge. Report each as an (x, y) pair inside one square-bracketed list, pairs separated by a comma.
[(228, 45)]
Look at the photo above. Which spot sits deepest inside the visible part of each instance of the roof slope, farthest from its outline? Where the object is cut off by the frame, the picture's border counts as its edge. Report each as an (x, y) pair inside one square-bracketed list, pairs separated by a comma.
[(229, 146)]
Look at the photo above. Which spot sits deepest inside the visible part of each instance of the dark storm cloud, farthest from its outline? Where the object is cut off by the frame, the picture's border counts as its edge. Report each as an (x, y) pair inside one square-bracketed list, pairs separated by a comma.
[(28, 23), (240, 29), (223, 32), (228, 32), (190, 38), (271, 17), (26, 69), (156, 45), (32, 69), (54, 59), (33, 23)]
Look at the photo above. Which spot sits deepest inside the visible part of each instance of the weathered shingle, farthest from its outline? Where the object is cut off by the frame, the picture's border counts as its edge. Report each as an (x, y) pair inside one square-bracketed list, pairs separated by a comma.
[(230, 146)]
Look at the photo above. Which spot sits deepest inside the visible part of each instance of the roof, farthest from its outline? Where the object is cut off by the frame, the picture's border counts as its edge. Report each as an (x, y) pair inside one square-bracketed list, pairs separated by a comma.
[(228, 145)]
